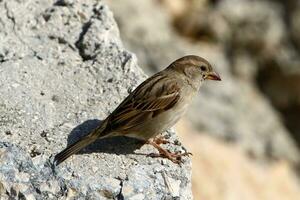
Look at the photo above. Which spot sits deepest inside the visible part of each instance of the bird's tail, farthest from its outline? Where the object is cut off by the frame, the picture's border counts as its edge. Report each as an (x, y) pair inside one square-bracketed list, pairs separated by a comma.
[(77, 146)]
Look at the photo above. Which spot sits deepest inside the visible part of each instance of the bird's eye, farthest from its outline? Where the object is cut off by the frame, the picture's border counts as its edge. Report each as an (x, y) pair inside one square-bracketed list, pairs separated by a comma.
[(203, 68)]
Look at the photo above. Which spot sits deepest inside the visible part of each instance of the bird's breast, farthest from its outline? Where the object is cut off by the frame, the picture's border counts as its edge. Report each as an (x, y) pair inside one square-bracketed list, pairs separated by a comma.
[(164, 120)]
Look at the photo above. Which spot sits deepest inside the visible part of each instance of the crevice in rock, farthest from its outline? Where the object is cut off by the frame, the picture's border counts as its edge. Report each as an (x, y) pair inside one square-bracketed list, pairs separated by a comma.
[(62, 3), (80, 44), (10, 16), (61, 40), (127, 58), (3, 59), (120, 195)]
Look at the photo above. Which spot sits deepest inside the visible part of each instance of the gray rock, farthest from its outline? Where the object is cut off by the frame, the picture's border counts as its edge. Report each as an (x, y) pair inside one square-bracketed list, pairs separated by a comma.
[(62, 67)]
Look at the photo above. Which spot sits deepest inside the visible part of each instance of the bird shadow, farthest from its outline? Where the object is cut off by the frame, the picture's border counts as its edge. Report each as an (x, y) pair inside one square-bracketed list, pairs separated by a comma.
[(114, 145)]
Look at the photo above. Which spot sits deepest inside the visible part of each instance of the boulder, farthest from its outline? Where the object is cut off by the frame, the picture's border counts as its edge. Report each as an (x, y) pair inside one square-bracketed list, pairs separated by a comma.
[(63, 69)]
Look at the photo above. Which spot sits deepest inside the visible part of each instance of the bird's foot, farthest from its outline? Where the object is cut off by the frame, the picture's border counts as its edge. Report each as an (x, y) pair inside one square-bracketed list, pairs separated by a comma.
[(163, 153), (174, 157), (161, 140)]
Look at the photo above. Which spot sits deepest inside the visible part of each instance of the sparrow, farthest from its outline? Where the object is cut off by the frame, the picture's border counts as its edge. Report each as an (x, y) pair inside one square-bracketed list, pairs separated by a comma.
[(153, 107)]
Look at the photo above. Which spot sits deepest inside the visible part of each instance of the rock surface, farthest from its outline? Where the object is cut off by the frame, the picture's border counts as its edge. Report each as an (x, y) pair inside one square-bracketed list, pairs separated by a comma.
[(62, 66)]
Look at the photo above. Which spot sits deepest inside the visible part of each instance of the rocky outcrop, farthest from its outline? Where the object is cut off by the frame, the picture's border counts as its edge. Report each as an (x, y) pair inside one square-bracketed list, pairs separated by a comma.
[(63, 67)]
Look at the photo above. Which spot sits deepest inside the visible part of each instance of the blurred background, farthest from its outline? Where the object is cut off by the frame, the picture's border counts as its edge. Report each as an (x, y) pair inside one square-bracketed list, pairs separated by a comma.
[(244, 132)]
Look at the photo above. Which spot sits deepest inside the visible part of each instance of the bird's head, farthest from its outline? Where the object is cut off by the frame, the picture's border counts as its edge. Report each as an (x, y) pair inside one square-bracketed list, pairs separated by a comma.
[(195, 68)]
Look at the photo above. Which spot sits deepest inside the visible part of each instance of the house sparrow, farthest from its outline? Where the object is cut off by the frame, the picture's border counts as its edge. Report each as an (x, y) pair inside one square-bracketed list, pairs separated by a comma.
[(153, 107)]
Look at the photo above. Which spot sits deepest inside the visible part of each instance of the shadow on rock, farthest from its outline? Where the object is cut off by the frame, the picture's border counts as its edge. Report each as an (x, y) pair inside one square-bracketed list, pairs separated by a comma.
[(113, 145)]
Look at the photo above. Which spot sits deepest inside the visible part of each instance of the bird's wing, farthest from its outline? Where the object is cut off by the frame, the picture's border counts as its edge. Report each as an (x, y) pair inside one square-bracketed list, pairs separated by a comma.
[(157, 94)]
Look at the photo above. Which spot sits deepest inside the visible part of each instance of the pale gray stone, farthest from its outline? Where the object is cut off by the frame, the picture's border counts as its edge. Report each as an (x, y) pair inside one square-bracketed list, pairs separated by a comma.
[(63, 69)]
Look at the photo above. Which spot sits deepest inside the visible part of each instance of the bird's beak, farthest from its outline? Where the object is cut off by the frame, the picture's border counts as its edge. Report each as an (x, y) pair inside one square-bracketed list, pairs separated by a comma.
[(213, 76)]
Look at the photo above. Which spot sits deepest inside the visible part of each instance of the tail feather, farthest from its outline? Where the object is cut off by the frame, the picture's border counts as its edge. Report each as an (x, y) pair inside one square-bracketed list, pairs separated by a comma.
[(73, 148), (98, 132)]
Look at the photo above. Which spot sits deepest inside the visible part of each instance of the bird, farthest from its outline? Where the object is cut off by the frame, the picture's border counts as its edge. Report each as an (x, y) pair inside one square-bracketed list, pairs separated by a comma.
[(152, 108)]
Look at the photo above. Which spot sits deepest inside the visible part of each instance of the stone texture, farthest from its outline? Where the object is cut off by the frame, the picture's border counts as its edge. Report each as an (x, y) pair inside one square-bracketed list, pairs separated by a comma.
[(63, 67)]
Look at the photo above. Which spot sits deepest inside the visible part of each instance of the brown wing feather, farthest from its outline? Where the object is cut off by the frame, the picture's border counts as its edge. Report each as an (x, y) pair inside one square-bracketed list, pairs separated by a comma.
[(152, 97)]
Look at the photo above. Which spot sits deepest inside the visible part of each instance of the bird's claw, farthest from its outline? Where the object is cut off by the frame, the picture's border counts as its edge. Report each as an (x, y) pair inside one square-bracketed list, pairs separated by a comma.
[(174, 157)]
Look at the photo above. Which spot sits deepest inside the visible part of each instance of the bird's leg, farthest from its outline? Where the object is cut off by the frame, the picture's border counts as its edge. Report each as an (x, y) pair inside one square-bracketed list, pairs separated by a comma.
[(174, 157), (161, 140)]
